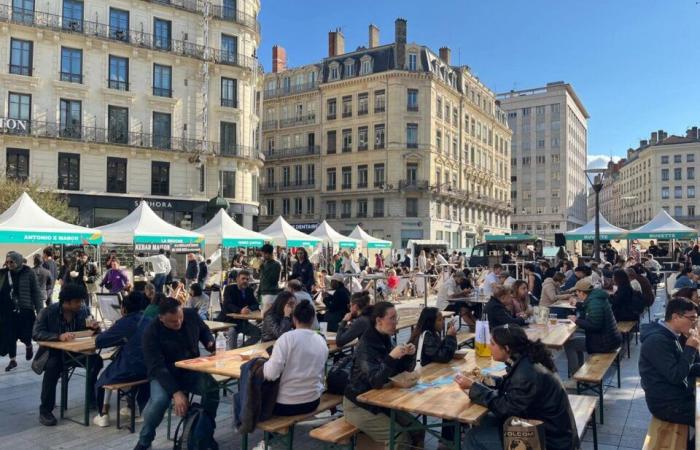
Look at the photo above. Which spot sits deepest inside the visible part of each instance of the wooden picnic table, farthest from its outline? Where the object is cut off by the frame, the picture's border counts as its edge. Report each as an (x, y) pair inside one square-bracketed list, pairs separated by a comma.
[(562, 304), (253, 315), (552, 336), (435, 395), (215, 327)]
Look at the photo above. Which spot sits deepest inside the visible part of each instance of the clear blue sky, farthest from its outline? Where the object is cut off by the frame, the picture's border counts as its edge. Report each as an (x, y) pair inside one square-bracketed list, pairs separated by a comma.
[(634, 64)]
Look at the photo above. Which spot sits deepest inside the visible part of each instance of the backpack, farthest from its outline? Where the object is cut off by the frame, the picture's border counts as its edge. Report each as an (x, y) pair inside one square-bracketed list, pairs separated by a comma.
[(195, 431), (338, 376)]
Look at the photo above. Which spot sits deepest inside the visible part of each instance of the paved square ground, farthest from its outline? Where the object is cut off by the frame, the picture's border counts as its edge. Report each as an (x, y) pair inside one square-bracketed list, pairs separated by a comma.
[(626, 415)]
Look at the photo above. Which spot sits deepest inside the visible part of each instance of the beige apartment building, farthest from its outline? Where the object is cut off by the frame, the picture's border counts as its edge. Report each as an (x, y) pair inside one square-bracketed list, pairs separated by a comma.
[(609, 197), (660, 173), (390, 136), (113, 101), (549, 151)]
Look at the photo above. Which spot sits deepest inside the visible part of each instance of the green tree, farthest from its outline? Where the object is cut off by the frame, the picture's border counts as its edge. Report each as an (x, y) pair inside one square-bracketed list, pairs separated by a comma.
[(53, 203)]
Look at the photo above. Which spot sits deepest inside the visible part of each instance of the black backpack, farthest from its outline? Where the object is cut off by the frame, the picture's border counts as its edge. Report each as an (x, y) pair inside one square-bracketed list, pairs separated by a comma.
[(339, 375), (195, 431)]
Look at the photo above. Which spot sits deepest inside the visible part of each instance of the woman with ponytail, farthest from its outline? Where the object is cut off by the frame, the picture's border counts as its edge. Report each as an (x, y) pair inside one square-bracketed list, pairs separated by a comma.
[(531, 389)]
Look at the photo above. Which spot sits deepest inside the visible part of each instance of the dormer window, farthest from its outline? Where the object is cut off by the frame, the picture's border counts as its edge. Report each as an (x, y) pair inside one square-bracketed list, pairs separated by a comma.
[(366, 65), (334, 71), (349, 68)]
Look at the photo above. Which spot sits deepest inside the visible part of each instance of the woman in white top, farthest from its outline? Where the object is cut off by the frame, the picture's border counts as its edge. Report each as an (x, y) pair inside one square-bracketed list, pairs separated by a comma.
[(298, 360), (422, 262)]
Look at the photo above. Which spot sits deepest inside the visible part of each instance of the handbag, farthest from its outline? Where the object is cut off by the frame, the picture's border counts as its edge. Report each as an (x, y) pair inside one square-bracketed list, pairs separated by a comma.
[(419, 352), (40, 359), (523, 434), (482, 338)]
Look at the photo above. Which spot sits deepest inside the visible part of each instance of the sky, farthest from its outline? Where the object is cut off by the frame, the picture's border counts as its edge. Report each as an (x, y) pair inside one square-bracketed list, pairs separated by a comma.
[(634, 64)]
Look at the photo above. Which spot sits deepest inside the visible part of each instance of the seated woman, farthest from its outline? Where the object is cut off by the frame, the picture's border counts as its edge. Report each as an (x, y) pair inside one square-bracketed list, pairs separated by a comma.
[(530, 389), (198, 301), (429, 330), (298, 359), (627, 304), (338, 303), (521, 299), (278, 319), (374, 361), (129, 364), (357, 321), (497, 308)]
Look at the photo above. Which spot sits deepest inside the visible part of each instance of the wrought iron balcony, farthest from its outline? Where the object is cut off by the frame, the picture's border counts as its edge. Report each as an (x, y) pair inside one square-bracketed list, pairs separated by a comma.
[(303, 185), (217, 11), (294, 152), (134, 38), (413, 185), (269, 125), (290, 90), (298, 121)]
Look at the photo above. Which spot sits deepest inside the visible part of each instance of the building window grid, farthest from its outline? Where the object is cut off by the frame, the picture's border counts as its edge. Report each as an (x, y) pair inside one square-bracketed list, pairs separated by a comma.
[(17, 164), (162, 80), (69, 171), (21, 57), (71, 65)]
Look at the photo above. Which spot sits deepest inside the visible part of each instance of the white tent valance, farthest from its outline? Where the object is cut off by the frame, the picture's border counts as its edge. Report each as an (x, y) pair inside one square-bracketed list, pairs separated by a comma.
[(587, 232), (285, 235), (662, 226), (223, 230), (367, 240), (329, 236), (143, 226)]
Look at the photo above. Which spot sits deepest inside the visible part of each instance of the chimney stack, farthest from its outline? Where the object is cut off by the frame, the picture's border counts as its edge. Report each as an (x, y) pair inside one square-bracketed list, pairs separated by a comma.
[(336, 43), (373, 36), (445, 55), (279, 59), (643, 143), (654, 138), (400, 41), (662, 135)]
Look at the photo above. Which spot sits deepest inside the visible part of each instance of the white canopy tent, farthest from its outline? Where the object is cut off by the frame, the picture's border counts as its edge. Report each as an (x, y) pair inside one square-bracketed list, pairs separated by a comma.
[(143, 226), (223, 230), (285, 235), (662, 226), (329, 236), (368, 241), (586, 232)]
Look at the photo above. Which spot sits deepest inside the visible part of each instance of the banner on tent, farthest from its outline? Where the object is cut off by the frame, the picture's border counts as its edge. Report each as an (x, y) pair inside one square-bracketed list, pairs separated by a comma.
[(346, 244), (175, 248), (167, 240), (379, 245), (301, 243), (226, 242), (44, 237)]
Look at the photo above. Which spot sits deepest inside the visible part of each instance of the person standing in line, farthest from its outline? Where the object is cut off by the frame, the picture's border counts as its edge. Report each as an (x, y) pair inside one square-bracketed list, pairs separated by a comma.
[(192, 270), (43, 277), (270, 271), (27, 300), (161, 268), (50, 264), (303, 270), (203, 273), (115, 279)]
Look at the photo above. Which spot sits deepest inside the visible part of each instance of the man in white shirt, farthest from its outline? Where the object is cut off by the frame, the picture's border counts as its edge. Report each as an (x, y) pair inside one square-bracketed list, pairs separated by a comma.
[(492, 278), (161, 268), (450, 289), (298, 359)]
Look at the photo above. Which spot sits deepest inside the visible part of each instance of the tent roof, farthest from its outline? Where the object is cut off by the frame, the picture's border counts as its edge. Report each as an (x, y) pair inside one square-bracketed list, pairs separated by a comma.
[(662, 226), (143, 226), (332, 237), (587, 231), (285, 235), (26, 223), (368, 240), (223, 230)]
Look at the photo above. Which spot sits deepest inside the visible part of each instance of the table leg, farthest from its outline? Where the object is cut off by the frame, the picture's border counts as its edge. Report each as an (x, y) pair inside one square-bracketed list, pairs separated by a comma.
[(88, 396), (392, 442), (64, 385)]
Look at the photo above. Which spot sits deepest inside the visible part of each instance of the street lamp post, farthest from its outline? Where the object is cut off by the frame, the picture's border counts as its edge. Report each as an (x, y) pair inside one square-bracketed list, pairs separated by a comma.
[(597, 185)]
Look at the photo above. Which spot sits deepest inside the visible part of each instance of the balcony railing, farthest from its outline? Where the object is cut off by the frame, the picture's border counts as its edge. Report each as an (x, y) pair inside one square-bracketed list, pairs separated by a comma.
[(162, 92), (269, 125), (413, 185), (131, 37), (76, 132), (229, 102), (21, 70), (217, 11), (292, 186), (118, 85), (70, 77), (294, 152), (290, 90), (298, 121)]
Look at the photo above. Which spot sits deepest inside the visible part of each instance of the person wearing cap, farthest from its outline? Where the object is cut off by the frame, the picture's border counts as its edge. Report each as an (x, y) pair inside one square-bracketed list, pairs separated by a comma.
[(270, 272), (337, 303), (59, 322), (597, 321)]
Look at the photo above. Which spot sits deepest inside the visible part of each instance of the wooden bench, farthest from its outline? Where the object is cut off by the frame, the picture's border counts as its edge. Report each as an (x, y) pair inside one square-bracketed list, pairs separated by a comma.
[(591, 375), (337, 434), (282, 427), (129, 391), (464, 338), (626, 328), (663, 435), (583, 408)]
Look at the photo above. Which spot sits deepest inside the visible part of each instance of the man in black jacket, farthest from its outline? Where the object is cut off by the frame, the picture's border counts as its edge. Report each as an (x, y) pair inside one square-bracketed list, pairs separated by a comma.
[(175, 336), (496, 309), (240, 298), (59, 322), (667, 364)]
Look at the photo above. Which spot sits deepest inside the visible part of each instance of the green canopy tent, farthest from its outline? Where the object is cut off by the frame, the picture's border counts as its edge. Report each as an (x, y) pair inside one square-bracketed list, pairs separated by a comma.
[(662, 226), (608, 232)]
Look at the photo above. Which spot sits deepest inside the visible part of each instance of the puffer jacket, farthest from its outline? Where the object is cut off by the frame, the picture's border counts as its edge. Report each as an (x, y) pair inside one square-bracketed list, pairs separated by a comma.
[(348, 333), (436, 349), (26, 290), (530, 391), (597, 320), (372, 366)]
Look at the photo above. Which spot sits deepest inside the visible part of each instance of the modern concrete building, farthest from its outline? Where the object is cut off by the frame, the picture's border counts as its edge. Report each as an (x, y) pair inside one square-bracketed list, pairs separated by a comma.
[(120, 100), (390, 136), (549, 151)]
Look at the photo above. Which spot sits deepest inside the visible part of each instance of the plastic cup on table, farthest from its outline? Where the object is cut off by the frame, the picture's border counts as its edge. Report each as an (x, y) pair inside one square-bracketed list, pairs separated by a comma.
[(324, 327)]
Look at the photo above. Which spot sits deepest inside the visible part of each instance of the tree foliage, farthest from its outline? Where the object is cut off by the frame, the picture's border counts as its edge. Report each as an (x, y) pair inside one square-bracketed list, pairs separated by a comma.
[(53, 203)]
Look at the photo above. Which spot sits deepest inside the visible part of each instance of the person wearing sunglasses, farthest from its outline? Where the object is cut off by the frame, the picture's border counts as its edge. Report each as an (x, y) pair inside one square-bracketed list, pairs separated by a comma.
[(668, 363)]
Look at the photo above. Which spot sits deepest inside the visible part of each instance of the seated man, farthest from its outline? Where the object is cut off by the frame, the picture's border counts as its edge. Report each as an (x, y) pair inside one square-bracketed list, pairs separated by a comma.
[(240, 298), (127, 334), (59, 322), (175, 336), (669, 362), (298, 359), (492, 278)]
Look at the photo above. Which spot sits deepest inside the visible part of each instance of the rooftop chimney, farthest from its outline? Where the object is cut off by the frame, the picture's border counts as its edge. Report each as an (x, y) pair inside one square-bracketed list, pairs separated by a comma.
[(643, 143), (373, 36), (662, 135), (445, 54), (654, 138), (279, 59), (400, 41), (336, 43)]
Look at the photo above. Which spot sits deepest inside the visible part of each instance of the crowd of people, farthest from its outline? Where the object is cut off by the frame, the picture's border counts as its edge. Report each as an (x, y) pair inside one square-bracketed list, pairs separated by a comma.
[(163, 322)]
